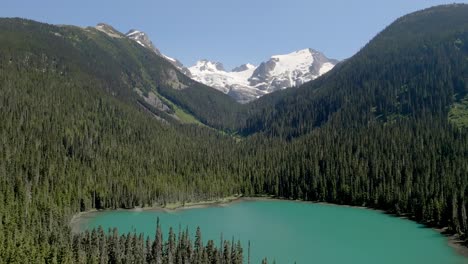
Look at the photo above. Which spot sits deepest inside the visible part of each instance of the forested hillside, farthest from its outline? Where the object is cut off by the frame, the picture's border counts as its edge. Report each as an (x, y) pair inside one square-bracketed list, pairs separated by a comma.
[(68, 146), (76, 134), (415, 68), (122, 67)]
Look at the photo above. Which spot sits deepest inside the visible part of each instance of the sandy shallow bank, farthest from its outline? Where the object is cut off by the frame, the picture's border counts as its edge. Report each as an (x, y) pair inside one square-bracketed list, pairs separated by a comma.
[(80, 220)]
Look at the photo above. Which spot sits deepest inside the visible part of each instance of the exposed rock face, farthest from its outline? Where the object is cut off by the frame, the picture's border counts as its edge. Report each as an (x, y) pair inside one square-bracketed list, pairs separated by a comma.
[(247, 82), (243, 67), (143, 39), (290, 70), (109, 30)]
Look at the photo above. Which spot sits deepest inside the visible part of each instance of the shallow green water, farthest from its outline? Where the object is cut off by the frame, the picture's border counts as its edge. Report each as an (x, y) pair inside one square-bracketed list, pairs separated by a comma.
[(299, 232)]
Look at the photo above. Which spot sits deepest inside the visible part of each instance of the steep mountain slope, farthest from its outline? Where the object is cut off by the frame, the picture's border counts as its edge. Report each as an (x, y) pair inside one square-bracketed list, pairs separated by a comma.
[(247, 82), (73, 137), (290, 70), (129, 71), (207, 105), (143, 39), (415, 68)]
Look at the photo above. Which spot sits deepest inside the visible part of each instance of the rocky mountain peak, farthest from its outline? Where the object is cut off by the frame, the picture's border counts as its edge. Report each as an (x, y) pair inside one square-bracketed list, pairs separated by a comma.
[(109, 30), (247, 82), (244, 67), (142, 38), (207, 65)]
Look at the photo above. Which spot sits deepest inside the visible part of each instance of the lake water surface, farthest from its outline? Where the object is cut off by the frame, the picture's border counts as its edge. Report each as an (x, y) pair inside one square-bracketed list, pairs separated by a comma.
[(298, 232)]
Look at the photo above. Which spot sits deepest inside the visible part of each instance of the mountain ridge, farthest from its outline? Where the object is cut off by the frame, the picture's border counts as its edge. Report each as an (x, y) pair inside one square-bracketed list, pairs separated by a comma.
[(387, 80), (248, 82), (143, 39)]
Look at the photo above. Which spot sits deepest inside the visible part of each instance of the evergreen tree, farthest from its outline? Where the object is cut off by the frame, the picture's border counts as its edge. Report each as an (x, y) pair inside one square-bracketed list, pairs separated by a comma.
[(157, 248)]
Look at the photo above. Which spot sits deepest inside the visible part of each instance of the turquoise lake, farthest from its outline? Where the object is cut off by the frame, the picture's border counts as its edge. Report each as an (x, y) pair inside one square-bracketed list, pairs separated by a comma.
[(290, 232)]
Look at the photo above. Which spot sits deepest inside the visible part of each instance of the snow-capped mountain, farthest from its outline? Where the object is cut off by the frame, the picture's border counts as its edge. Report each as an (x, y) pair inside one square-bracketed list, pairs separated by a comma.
[(143, 39), (290, 70), (248, 82), (214, 75)]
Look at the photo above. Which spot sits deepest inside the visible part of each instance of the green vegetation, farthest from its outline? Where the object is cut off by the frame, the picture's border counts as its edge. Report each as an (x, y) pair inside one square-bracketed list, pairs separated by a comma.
[(458, 114), (68, 146), (186, 118), (119, 65), (99, 247), (210, 106), (183, 116), (412, 69), (74, 135)]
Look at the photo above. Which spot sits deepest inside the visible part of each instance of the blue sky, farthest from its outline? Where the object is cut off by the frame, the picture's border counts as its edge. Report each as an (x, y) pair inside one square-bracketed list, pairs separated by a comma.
[(232, 31)]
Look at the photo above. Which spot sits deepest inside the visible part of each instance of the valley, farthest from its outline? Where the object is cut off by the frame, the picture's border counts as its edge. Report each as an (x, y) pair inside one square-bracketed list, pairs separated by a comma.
[(96, 120)]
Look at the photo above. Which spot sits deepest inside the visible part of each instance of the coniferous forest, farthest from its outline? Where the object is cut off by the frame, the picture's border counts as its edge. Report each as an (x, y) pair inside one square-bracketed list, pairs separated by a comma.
[(100, 247), (385, 129)]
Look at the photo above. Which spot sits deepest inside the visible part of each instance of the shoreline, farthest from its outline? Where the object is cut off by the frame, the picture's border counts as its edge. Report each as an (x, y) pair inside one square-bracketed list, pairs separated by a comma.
[(80, 219), (453, 241)]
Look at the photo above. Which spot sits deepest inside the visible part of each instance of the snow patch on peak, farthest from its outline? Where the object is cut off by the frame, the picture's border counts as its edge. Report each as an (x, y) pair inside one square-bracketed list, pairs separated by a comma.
[(248, 82), (292, 64), (211, 66), (169, 58), (109, 30), (244, 67), (302, 52), (133, 32), (326, 67), (213, 74), (139, 42), (143, 40)]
